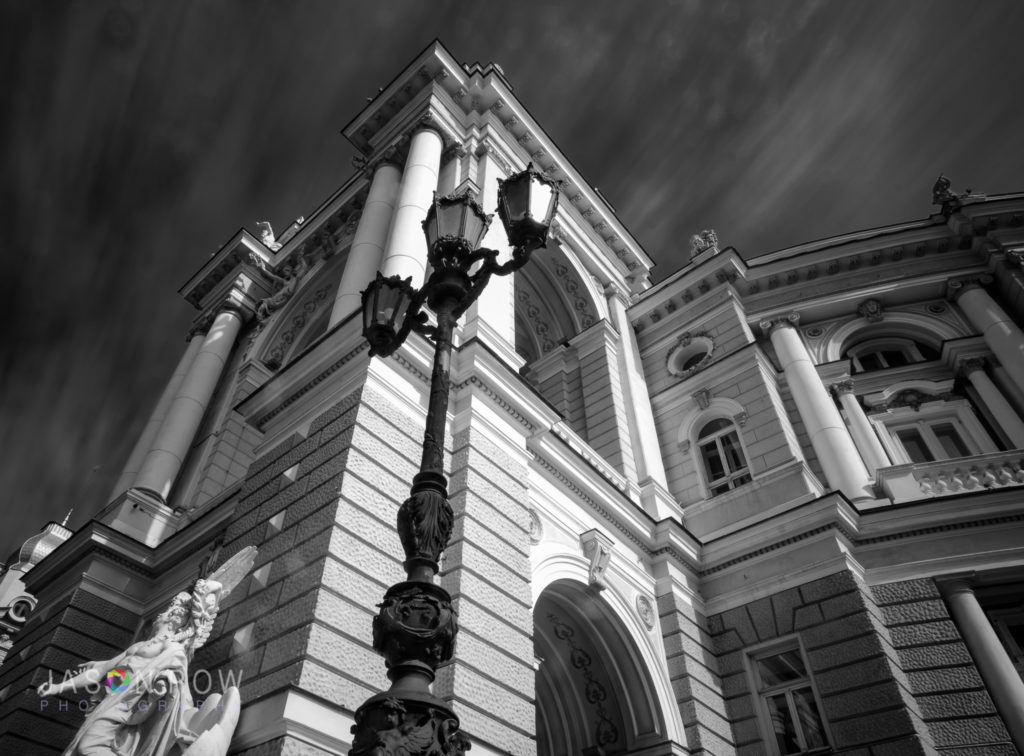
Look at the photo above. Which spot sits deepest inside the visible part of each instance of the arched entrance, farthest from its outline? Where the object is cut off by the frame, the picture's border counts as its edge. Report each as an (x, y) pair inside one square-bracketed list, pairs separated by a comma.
[(594, 694)]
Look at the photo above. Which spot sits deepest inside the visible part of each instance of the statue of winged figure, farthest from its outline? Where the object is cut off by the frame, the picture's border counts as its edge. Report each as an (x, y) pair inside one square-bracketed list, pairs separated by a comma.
[(144, 706)]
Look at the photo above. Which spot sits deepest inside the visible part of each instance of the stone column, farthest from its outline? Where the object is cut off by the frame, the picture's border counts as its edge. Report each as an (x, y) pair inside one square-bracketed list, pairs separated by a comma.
[(156, 420), (406, 251), (1001, 334), (1001, 679), (836, 451), (367, 252), (871, 449), (1002, 411), (165, 457)]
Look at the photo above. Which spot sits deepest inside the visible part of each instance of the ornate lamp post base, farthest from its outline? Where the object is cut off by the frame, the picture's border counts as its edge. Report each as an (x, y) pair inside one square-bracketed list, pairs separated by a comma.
[(387, 725)]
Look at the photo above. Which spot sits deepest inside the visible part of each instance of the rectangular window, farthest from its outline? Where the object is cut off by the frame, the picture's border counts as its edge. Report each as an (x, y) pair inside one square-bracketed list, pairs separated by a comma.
[(788, 707)]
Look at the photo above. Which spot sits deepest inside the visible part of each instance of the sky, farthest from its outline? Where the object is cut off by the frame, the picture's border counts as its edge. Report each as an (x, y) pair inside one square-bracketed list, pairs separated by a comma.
[(137, 137)]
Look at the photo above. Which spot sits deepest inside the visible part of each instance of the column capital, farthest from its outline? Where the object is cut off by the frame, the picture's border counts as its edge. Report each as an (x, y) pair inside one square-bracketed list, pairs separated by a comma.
[(429, 122), (201, 325), (790, 320), (612, 290), (842, 387), (390, 155), (970, 365), (956, 287), (486, 148)]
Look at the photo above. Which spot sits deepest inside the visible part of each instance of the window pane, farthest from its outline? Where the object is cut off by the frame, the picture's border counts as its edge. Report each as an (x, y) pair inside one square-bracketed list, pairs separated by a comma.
[(808, 718), (914, 445), (784, 667), (895, 357), (713, 427), (950, 440), (870, 361), (782, 724), (733, 452), (712, 461)]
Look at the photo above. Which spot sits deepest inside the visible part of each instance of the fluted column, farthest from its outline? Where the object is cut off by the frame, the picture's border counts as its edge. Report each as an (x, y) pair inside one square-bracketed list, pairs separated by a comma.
[(871, 449), (832, 442), (996, 668), (1001, 334), (165, 457), (1004, 414), (156, 419), (367, 252), (405, 253)]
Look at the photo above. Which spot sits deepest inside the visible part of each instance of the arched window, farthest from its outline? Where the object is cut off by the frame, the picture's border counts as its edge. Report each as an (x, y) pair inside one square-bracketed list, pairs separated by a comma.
[(725, 466), (890, 352)]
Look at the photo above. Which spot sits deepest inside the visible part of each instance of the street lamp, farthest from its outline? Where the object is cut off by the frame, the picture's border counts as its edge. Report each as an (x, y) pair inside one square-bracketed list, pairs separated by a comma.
[(415, 628)]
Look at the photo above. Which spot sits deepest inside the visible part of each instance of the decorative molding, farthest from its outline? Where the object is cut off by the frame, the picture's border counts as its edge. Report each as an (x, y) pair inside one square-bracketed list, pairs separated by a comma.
[(597, 547), (688, 346), (536, 527), (871, 310), (319, 378), (703, 398), (646, 611), (605, 731)]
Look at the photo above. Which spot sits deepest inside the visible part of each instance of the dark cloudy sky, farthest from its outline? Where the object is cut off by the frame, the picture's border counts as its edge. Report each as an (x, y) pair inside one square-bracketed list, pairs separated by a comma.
[(136, 137)]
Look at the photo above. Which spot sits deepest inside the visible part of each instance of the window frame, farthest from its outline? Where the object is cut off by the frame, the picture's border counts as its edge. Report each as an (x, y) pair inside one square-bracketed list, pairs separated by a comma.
[(910, 348), (956, 412), (751, 656), (733, 479)]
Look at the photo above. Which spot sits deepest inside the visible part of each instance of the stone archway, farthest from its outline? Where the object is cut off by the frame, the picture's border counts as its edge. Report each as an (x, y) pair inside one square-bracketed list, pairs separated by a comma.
[(594, 694)]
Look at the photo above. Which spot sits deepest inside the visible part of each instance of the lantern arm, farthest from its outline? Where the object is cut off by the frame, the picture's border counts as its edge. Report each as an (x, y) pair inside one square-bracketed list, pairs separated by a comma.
[(478, 281), (415, 319), (520, 256)]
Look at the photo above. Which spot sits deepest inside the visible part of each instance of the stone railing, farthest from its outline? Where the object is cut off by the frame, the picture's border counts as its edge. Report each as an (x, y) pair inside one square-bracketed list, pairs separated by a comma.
[(952, 476)]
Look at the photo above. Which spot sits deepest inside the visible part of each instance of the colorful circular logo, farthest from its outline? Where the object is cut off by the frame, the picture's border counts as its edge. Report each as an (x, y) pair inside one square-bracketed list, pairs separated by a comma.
[(118, 680)]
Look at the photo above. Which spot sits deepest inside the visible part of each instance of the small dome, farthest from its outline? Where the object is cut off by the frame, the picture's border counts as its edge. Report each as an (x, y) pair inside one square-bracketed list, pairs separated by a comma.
[(40, 545)]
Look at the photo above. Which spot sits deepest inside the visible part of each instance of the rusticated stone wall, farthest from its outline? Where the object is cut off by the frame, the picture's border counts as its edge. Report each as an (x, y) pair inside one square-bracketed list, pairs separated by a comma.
[(942, 676), (78, 628), (487, 571), (867, 698), (693, 670)]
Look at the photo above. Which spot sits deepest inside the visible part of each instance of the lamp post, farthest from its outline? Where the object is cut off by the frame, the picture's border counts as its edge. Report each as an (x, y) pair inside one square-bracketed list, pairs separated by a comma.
[(416, 626)]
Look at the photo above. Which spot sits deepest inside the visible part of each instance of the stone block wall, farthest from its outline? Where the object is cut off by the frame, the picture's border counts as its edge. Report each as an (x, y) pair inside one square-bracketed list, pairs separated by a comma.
[(76, 628), (486, 569), (321, 511), (693, 670), (867, 699), (940, 671)]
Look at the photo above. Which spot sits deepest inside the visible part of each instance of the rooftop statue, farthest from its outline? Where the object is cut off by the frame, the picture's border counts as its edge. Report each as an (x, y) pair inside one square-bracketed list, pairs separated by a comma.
[(143, 705), (705, 240), (267, 235)]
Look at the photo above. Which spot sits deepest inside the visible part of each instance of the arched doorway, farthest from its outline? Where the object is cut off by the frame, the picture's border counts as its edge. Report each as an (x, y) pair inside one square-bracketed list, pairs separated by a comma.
[(594, 694)]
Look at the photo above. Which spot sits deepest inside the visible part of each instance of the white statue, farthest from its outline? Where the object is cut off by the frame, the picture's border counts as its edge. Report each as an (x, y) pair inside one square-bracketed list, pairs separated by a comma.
[(267, 235), (144, 705)]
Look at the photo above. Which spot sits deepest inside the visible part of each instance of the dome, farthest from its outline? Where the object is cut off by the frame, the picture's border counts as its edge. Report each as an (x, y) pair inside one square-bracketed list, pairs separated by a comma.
[(39, 546)]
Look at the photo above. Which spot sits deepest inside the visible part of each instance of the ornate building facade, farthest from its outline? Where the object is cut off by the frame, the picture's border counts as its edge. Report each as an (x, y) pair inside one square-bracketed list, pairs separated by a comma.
[(771, 505)]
